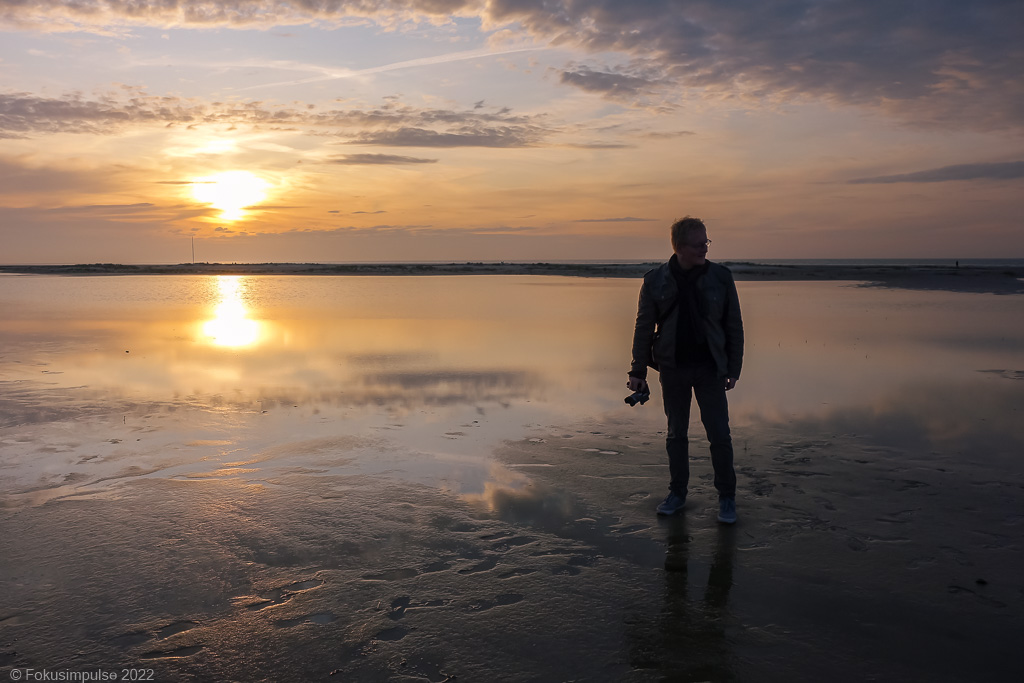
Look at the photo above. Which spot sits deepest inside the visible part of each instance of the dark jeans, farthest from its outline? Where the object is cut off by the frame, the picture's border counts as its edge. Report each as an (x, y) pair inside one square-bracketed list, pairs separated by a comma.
[(676, 386)]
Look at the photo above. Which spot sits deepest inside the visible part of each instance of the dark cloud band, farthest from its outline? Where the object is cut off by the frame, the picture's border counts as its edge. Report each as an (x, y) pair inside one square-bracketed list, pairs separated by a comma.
[(1011, 170), (394, 124), (379, 159)]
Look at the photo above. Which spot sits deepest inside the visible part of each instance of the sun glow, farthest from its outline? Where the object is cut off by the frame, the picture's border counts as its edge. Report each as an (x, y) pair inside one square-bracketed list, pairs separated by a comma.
[(230, 192), (231, 325)]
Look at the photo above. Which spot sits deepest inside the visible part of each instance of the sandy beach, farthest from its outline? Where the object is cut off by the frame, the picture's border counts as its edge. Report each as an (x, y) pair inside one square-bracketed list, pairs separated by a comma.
[(900, 570), (375, 499)]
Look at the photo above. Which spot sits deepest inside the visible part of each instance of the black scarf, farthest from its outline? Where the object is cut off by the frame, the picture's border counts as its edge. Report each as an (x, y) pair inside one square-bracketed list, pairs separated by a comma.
[(691, 340)]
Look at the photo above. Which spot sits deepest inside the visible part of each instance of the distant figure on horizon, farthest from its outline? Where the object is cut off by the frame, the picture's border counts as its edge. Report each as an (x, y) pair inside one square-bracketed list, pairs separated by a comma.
[(688, 328)]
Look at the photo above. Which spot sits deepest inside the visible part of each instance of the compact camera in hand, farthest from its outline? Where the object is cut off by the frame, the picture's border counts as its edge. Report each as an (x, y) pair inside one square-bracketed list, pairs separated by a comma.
[(640, 397)]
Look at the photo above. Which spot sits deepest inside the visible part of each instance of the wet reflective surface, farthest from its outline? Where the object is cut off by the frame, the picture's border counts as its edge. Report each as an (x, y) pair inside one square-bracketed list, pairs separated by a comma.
[(444, 366), (320, 474)]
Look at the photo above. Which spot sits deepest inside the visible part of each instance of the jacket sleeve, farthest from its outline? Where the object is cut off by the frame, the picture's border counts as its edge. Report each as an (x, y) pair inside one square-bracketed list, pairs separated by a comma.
[(643, 333), (733, 328)]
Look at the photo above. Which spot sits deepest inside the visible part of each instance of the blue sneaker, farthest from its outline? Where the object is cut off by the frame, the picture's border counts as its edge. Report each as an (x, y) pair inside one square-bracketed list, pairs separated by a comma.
[(672, 504), (727, 510)]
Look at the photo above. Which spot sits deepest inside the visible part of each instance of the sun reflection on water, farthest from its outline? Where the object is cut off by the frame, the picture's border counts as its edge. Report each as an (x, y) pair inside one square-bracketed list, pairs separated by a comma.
[(231, 325)]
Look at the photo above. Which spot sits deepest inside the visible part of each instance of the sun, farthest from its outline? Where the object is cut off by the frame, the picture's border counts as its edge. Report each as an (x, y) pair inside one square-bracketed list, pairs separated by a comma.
[(230, 192)]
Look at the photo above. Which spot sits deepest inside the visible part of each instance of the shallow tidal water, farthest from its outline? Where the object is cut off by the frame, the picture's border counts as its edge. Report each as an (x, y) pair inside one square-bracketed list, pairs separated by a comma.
[(422, 478)]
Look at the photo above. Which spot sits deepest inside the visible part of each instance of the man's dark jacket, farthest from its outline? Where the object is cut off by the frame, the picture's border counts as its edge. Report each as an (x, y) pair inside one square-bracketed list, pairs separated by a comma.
[(654, 338)]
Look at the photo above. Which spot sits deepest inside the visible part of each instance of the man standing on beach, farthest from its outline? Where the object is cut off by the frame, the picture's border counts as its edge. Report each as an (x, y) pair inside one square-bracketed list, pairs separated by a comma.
[(688, 328)]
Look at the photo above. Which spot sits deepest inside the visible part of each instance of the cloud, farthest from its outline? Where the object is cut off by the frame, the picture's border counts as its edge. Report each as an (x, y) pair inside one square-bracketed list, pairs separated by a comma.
[(598, 145), (393, 123), (951, 64), (945, 63), (628, 84), (505, 230), (371, 229), (143, 207), (627, 219), (1010, 170), (509, 136), (103, 16), (24, 113), (384, 159), (370, 213), (667, 135), (606, 82)]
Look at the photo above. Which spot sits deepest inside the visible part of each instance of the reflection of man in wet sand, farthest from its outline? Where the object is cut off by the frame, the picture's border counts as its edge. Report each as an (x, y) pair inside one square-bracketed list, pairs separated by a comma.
[(688, 327), (687, 641)]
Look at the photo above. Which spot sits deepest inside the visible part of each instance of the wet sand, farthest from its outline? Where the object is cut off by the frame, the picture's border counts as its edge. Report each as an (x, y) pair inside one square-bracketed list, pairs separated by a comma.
[(262, 530), (850, 562), (993, 279)]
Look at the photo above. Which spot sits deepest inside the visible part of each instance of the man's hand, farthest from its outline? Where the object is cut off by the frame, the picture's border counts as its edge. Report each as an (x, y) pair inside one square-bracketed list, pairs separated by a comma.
[(637, 384), (730, 383)]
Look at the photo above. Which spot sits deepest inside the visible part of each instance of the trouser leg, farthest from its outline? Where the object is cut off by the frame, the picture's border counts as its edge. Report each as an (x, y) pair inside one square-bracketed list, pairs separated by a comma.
[(714, 414), (676, 395)]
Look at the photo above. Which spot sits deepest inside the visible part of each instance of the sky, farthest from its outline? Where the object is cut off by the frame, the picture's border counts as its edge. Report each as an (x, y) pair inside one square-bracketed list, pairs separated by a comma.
[(132, 131)]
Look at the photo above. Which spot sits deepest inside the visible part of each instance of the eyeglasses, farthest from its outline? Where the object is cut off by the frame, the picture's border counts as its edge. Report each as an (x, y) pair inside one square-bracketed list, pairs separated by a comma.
[(700, 245)]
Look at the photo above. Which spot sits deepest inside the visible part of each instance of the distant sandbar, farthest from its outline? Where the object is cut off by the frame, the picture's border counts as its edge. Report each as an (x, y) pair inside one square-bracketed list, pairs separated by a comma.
[(994, 279)]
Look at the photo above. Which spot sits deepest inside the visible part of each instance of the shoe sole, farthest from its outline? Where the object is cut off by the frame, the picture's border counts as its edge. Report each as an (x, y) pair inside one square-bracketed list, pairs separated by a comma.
[(727, 521)]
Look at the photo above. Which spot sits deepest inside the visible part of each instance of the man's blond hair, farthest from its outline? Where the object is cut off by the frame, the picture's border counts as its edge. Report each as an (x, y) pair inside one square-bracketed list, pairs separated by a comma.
[(684, 228)]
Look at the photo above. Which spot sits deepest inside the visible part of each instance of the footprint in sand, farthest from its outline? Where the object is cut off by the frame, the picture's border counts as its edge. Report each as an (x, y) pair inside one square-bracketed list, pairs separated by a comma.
[(393, 633), (320, 619), (284, 593), (398, 607)]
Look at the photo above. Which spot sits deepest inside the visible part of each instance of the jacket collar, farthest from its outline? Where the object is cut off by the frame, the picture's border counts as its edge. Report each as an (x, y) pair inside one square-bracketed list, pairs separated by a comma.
[(690, 275)]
